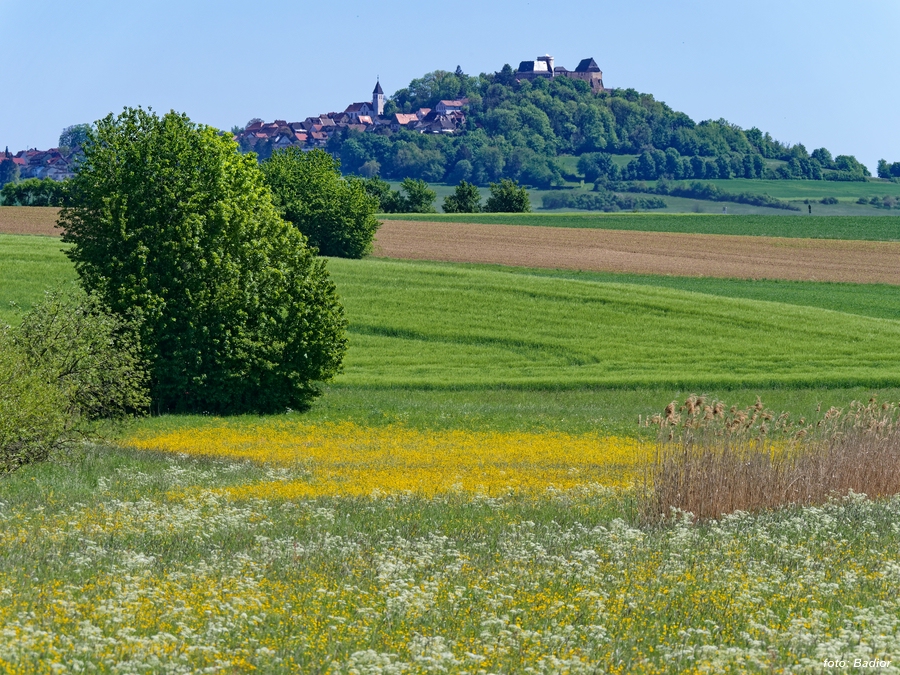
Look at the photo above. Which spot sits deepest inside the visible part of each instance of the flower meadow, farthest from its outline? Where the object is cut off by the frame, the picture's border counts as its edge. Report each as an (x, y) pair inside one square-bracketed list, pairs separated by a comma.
[(281, 547), (346, 459)]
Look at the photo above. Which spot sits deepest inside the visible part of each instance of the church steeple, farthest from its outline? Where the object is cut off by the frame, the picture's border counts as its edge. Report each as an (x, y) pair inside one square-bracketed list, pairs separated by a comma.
[(378, 98)]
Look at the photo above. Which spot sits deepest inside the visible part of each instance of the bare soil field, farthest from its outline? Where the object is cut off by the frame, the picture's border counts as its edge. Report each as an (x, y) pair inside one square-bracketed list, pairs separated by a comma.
[(29, 220), (665, 253), (699, 255)]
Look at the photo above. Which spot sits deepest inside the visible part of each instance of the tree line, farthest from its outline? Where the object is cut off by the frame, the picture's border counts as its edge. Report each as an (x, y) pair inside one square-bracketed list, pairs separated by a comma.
[(888, 170)]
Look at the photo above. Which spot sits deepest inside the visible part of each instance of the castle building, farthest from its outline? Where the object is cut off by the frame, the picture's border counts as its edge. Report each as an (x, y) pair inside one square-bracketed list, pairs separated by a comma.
[(587, 71)]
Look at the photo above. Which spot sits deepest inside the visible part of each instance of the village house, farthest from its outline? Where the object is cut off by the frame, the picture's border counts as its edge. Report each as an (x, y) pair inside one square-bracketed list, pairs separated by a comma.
[(43, 163), (446, 107)]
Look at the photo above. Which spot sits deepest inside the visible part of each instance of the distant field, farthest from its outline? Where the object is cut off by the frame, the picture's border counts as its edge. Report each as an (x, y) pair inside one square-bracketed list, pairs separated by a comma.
[(28, 266), (880, 301), (842, 208), (29, 220), (873, 228), (810, 189)]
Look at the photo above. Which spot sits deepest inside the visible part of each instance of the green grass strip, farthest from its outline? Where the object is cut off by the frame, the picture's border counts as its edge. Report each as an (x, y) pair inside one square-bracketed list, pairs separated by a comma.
[(871, 228)]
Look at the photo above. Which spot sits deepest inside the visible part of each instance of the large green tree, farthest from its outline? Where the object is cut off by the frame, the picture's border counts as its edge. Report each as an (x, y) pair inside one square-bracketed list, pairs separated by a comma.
[(338, 216), (171, 225), (507, 196), (465, 199), (417, 197)]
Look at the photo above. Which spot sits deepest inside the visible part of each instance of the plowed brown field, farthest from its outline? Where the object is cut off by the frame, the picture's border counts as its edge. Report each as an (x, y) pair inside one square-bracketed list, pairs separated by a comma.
[(643, 252), (601, 250), (29, 220)]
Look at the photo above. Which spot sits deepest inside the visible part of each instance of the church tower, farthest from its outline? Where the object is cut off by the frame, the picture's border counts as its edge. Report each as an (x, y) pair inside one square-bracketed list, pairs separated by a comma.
[(378, 99)]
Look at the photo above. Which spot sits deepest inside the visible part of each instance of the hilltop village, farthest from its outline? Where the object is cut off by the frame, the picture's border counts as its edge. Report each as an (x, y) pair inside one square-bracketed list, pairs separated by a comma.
[(447, 116)]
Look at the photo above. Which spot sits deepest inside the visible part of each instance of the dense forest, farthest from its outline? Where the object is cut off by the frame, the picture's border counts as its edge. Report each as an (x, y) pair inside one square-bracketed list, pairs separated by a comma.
[(518, 130)]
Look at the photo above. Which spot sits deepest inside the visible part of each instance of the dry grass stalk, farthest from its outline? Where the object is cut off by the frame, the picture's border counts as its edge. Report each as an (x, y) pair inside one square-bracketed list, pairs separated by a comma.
[(710, 462)]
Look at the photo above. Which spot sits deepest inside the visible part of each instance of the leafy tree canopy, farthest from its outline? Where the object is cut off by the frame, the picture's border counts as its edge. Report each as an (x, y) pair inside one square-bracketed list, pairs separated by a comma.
[(74, 136), (337, 216), (172, 226), (508, 196), (465, 199)]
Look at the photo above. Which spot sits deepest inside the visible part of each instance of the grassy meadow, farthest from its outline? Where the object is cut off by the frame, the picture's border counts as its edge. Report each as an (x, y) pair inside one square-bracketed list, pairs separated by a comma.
[(461, 498), (28, 266)]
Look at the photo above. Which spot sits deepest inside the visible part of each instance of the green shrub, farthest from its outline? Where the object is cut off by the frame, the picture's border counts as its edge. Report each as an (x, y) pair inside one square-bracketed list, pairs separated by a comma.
[(93, 356), (600, 200), (170, 224), (465, 199), (68, 362), (33, 419), (336, 215), (415, 197), (507, 196)]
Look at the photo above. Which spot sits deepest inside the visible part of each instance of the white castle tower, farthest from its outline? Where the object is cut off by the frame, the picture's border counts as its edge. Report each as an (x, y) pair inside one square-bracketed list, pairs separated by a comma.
[(378, 99)]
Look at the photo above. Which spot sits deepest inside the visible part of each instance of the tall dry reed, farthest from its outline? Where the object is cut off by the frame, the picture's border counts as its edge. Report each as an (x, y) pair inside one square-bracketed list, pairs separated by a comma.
[(710, 461)]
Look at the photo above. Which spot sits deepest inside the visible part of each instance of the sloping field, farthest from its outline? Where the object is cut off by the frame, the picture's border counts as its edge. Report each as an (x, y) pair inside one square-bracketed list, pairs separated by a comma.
[(443, 326), (643, 252), (29, 220)]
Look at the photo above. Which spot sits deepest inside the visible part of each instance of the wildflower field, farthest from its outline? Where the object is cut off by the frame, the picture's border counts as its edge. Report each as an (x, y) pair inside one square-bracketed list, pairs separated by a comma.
[(467, 496), (137, 561)]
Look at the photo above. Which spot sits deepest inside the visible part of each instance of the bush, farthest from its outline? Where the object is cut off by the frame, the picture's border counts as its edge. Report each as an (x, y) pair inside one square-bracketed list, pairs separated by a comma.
[(171, 225), (465, 199), (507, 196), (828, 200), (708, 191), (600, 200), (68, 362), (93, 356), (33, 420), (417, 197), (380, 191), (414, 196), (336, 215)]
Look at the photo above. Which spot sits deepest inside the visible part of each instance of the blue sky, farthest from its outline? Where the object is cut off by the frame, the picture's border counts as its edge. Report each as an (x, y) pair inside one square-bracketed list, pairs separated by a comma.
[(817, 73)]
